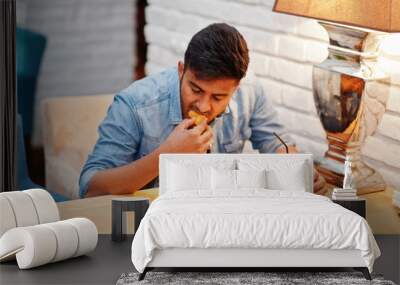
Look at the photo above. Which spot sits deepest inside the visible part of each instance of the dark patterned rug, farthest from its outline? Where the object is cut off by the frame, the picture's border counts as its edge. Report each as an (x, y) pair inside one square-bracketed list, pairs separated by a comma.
[(230, 278)]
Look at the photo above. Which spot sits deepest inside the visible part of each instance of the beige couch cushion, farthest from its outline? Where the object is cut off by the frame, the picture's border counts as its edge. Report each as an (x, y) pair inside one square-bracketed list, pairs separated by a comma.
[(69, 127)]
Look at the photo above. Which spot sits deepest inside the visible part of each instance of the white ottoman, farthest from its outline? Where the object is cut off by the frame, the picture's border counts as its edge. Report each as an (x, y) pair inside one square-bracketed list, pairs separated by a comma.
[(31, 232)]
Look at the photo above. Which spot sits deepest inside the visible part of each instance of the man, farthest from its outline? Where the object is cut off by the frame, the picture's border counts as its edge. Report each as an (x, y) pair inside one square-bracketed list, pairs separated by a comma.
[(150, 117)]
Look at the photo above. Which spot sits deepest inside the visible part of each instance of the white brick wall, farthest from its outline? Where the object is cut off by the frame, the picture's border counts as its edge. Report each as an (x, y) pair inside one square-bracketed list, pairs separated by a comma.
[(90, 46), (283, 49)]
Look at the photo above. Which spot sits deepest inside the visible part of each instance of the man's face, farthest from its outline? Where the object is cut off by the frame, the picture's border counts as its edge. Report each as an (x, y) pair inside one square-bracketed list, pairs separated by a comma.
[(207, 97)]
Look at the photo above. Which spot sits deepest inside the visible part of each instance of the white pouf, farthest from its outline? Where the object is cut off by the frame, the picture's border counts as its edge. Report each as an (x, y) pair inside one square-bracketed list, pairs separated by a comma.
[(31, 232), (66, 237), (7, 216), (23, 208), (46, 208)]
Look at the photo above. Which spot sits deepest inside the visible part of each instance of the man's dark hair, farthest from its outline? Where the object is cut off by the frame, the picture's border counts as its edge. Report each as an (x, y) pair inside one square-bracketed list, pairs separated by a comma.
[(217, 51)]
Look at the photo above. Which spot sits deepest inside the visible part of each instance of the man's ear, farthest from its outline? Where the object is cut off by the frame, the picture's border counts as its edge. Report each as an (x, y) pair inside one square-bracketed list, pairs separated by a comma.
[(180, 69)]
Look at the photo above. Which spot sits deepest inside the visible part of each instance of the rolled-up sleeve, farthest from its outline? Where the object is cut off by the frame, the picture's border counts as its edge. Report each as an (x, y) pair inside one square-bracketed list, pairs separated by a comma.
[(119, 137), (264, 122)]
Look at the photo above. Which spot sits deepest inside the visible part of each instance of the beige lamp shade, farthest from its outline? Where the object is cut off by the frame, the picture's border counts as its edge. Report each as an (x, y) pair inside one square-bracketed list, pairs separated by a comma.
[(381, 15)]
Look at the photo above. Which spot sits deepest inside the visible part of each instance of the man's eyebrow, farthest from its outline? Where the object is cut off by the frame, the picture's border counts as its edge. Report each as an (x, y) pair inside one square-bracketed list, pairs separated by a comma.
[(220, 94), (198, 87)]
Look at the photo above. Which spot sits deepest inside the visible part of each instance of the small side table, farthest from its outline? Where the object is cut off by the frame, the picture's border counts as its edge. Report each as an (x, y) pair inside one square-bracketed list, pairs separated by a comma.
[(126, 204), (357, 205)]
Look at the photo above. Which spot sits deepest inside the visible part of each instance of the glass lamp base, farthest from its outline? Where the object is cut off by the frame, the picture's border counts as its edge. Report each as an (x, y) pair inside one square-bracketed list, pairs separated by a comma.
[(366, 179), (350, 101)]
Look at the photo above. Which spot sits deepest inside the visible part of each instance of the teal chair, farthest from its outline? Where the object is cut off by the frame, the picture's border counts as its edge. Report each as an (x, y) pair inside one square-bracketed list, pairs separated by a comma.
[(24, 181), (30, 49)]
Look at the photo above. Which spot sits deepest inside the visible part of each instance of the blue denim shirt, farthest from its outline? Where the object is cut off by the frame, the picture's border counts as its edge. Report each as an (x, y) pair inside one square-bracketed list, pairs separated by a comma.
[(143, 115)]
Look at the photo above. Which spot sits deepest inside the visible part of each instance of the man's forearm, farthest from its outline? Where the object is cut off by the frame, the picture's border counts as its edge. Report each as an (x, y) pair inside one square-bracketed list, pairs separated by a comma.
[(125, 179), (291, 149)]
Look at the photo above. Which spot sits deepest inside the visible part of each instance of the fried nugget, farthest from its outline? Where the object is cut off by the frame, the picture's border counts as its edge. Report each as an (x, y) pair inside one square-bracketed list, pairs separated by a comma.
[(198, 119)]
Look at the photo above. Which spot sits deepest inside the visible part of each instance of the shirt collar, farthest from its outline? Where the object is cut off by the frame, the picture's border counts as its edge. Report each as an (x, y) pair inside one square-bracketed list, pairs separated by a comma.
[(227, 110)]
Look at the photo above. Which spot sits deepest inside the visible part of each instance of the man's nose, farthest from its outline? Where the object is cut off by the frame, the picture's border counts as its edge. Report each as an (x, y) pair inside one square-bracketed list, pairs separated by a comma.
[(204, 105)]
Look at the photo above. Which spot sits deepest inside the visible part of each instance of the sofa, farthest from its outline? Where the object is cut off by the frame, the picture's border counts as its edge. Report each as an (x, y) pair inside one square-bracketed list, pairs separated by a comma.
[(69, 127)]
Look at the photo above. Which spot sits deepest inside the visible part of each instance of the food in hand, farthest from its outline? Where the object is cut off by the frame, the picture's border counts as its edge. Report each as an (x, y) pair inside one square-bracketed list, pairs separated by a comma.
[(198, 118)]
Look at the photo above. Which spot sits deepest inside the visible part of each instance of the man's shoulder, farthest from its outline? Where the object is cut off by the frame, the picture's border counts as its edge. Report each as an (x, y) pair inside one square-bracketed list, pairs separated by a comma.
[(151, 89)]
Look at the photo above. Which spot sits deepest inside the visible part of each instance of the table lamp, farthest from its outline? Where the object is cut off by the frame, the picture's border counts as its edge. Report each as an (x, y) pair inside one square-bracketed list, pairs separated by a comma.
[(348, 97)]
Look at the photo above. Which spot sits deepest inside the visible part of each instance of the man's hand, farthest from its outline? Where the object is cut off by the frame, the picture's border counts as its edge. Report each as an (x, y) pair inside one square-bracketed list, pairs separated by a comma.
[(319, 183), (186, 140)]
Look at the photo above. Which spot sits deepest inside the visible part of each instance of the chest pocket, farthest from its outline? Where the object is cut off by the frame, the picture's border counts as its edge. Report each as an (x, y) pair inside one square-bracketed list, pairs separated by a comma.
[(234, 137), (236, 146)]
